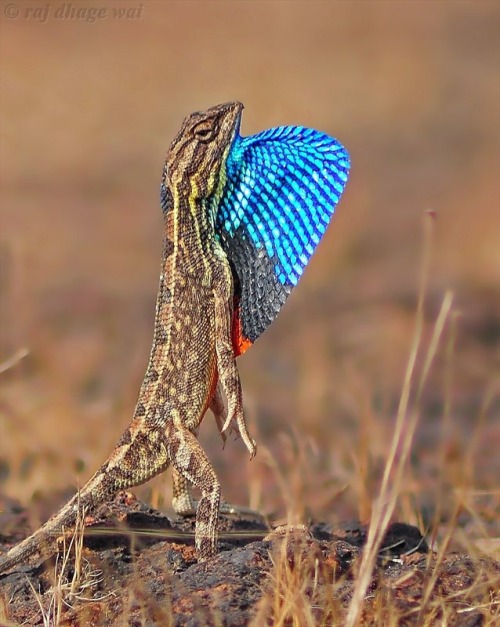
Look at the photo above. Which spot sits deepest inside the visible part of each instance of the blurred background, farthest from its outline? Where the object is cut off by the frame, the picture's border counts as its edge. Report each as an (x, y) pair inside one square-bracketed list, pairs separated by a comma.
[(91, 96)]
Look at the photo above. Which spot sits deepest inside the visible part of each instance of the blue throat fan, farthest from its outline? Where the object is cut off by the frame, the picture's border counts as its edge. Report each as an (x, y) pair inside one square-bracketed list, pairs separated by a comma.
[(281, 190)]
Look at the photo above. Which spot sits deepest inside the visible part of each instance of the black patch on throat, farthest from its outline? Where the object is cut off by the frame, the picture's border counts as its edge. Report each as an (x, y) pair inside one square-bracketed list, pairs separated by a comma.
[(261, 295), (168, 247), (166, 199)]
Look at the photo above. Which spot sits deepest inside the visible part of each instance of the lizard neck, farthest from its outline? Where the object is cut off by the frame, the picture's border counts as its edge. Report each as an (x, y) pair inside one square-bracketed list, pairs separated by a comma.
[(192, 231), (190, 212)]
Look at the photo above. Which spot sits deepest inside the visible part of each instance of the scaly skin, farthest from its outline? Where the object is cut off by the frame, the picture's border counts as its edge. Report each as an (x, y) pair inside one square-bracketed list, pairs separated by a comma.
[(192, 362)]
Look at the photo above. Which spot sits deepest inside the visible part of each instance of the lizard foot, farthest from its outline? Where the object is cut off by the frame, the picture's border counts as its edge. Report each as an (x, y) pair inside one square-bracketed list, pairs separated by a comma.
[(235, 510), (285, 530), (188, 507)]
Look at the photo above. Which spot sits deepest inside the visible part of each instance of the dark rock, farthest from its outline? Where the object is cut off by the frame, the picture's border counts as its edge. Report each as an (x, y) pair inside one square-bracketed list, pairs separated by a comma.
[(138, 567)]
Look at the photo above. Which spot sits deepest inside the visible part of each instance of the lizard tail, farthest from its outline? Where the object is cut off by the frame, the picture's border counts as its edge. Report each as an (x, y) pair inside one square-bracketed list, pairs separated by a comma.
[(45, 538), (139, 456)]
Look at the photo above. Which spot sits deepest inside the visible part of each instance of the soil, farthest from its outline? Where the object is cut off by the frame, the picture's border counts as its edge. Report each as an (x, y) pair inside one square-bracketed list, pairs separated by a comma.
[(139, 564)]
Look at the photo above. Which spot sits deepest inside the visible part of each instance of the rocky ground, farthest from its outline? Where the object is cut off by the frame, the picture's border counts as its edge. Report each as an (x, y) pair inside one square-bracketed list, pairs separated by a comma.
[(138, 567)]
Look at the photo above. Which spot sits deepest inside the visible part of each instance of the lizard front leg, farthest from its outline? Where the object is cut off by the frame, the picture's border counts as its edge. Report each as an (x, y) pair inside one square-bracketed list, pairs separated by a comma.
[(227, 369), (218, 409)]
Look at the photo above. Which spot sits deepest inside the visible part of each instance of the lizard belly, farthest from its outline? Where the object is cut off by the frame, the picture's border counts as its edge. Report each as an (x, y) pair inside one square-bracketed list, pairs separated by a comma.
[(192, 355)]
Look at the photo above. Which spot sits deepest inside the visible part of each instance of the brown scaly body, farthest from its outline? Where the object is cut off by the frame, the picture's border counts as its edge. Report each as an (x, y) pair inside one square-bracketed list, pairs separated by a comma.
[(192, 363)]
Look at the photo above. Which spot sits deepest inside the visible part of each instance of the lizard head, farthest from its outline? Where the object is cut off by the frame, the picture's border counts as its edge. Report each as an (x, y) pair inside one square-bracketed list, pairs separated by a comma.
[(195, 164)]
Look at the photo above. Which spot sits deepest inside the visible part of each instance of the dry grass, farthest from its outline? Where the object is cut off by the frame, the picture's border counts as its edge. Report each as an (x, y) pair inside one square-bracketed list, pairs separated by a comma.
[(73, 579), (406, 423), (291, 598), (74, 582)]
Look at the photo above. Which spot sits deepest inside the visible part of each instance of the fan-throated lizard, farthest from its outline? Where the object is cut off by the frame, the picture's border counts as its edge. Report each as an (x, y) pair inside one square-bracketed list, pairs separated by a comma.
[(242, 216)]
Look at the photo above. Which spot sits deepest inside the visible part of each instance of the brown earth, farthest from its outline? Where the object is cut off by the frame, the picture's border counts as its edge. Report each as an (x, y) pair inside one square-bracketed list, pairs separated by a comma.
[(131, 573)]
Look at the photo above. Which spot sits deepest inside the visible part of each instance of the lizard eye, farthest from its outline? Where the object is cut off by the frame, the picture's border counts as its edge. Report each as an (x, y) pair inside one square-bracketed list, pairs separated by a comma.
[(204, 131)]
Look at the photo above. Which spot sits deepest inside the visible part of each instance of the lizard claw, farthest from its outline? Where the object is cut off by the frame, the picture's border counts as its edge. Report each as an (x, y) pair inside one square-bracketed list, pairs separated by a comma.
[(227, 422)]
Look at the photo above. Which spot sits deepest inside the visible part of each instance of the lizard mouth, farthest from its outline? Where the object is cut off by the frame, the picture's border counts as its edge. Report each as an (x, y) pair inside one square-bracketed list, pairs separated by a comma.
[(231, 112)]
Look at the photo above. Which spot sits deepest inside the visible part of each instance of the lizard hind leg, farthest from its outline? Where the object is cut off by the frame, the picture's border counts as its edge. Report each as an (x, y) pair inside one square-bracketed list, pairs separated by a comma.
[(193, 466), (183, 501)]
